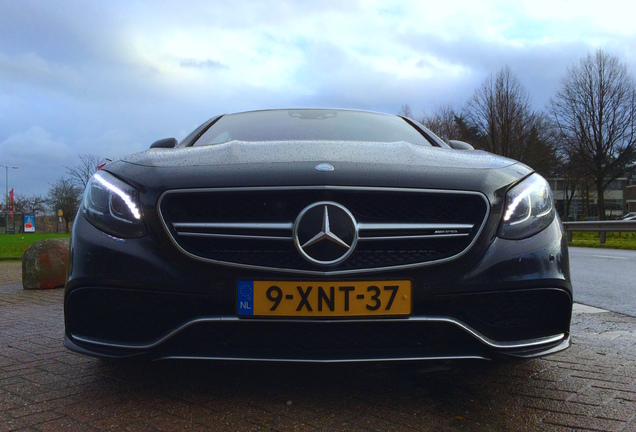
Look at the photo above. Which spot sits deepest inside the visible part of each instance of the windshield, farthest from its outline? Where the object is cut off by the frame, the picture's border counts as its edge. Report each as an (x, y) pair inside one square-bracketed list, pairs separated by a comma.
[(311, 125)]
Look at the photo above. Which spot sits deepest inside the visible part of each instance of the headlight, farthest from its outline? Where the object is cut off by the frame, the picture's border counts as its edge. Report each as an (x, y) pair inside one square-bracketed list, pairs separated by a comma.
[(113, 206), (528, 210)]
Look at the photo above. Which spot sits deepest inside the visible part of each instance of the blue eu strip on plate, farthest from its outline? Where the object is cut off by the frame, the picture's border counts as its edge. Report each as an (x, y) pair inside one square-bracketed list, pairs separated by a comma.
[(246, 297)]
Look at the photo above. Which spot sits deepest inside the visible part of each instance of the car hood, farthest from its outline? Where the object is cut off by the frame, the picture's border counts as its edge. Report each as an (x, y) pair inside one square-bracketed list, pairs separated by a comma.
[(241, 153), (397, 164)]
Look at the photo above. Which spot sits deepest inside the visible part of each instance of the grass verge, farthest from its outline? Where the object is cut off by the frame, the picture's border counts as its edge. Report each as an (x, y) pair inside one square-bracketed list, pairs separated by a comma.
[(614, 240), (12, 246)]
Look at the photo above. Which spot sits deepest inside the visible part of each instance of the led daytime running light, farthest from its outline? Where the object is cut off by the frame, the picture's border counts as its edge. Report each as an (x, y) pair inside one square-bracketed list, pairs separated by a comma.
[(111, 187), (515, 203)]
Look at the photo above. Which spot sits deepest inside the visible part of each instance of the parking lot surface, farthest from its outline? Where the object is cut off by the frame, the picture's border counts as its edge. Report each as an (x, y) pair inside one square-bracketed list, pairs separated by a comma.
[(44, 387)]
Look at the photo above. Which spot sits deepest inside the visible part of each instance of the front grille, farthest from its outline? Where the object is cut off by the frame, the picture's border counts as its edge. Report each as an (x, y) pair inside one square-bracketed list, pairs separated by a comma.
[(507, 315), (253, 227), (323, 341)]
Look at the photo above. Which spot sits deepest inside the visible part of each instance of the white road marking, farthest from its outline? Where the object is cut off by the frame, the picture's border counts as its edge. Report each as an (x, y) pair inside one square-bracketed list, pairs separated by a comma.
[(610, 257), (584, 309)]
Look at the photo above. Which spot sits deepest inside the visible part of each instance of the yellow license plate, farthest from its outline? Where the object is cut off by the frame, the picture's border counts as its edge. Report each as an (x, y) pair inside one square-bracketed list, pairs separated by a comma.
[(324, 299)]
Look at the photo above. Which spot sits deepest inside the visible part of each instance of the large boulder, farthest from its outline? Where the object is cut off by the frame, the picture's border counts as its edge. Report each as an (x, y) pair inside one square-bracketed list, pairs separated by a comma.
[(44, 264)]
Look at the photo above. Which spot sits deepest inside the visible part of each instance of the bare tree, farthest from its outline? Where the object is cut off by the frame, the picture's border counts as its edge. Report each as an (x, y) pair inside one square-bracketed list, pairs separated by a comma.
[(540, 150), (23, 204), (501, 112), (573, 175), (80, 174), (405, 111), (443, 122), (595, 112), (35, 204), (65, 195), (28, 204)]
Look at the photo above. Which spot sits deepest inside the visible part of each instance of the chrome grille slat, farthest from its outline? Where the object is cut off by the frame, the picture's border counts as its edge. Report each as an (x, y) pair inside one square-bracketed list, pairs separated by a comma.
[(412, 237), (231, 225), (234, 236), (253, 227), (423, 226), (264, 228)]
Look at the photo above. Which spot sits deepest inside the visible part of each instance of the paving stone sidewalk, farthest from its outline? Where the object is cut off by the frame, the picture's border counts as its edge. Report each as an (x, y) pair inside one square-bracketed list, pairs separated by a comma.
[(44, 387)]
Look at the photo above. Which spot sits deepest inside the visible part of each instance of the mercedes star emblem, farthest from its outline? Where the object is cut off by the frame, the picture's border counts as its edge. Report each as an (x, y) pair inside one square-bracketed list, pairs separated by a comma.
[(325, 233)]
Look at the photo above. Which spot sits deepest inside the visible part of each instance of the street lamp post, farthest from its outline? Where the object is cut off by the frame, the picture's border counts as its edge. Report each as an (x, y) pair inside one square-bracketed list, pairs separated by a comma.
[(6, 196)]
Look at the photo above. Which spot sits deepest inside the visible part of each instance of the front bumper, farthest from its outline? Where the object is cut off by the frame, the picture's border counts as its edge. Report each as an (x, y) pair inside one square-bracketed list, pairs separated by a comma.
[(141, 298)]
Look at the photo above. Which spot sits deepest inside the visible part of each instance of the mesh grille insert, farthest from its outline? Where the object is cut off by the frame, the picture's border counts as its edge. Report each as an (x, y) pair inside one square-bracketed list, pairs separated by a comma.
[(253, 227)]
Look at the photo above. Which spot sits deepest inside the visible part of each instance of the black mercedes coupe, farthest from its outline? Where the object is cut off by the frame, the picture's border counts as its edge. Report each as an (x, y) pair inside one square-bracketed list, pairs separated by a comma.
[(317, 235)]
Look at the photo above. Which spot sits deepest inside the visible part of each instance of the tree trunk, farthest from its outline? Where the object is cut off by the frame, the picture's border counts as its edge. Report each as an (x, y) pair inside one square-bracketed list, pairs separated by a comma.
[(600, 197)]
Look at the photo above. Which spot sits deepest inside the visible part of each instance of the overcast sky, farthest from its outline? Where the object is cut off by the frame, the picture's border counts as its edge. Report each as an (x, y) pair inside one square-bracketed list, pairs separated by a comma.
[(108, 78)]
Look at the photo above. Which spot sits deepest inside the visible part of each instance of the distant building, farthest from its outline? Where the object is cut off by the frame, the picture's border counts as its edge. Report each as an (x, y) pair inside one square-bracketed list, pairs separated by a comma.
[(620, 198), (630, 198)]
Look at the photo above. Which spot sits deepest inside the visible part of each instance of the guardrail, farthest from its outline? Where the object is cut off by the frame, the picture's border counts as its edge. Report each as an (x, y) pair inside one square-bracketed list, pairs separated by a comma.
[(602, 227)]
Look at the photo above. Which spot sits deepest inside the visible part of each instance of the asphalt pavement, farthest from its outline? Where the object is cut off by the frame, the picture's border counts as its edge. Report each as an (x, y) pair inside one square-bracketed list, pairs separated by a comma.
[(604, 278)]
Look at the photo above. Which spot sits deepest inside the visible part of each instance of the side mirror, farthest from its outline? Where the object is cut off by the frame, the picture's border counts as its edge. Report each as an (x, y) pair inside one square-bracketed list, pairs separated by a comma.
[(164, 143), (460, 145)]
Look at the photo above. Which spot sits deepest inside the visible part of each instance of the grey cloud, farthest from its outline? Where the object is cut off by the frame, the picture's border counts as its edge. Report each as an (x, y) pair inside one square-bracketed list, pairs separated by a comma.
[(72, 32), (539, 66)]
